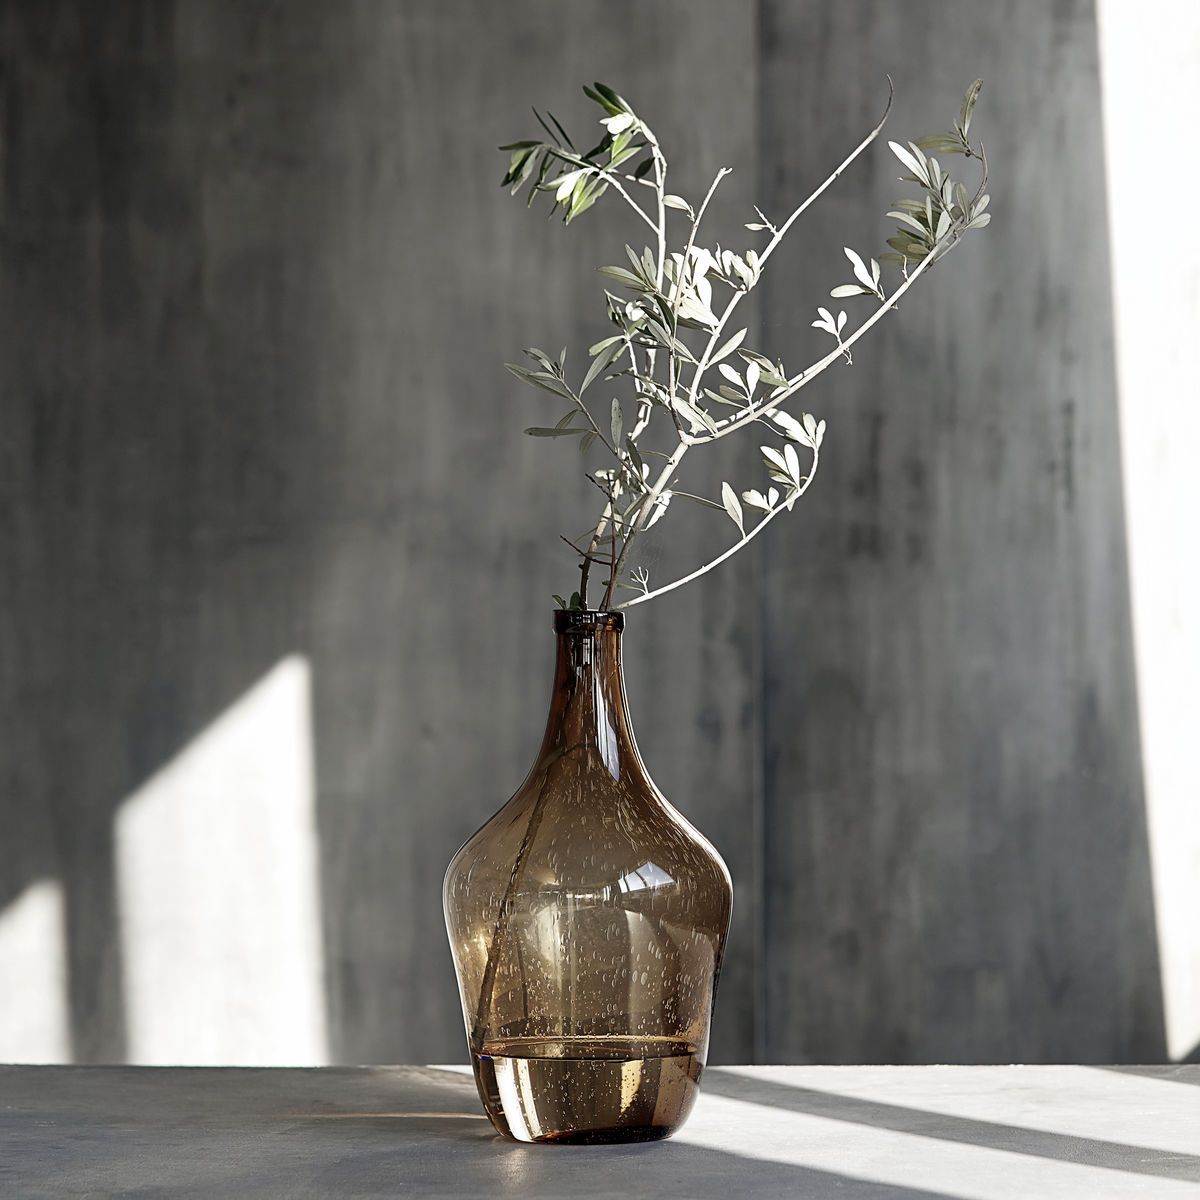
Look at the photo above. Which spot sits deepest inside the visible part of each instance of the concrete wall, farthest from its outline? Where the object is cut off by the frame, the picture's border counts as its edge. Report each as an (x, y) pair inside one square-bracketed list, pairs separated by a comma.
[(957, 840), (262, 485)]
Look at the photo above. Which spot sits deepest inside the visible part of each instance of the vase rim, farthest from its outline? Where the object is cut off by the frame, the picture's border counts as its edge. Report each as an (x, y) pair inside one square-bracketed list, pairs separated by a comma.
[(583, 620)]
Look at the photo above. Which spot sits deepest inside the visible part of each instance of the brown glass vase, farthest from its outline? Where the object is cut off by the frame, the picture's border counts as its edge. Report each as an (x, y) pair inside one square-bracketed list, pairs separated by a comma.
[(587, 920)]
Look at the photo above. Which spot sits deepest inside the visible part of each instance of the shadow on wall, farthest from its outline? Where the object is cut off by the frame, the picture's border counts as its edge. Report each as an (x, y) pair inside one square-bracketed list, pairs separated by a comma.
[(234, 522)]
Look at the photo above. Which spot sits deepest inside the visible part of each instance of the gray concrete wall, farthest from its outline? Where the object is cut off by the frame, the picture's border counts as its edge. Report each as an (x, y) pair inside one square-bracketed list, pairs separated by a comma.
[(257, 283), (957, 854)]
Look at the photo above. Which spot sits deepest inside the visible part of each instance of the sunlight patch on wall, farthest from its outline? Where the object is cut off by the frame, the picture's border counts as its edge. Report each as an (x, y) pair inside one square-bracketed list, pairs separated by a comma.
[(217, 868), (1148, 56), (34, 1021)]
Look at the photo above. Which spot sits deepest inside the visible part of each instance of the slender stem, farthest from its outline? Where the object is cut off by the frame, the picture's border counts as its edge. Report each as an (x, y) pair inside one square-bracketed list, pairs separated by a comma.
[(699, 499), (660, 229), (712, 187), (660, 185), (682, 278), (745, 540), (646, 506), (592, 422), (597, 534), (612, 179), (612, 559), (952, 238), (660, 180), (782, 230), (645, 402), (637, 208), (810, 373), (585, 553), (685, 440), (584, 567), (660, 189), (778, 236)]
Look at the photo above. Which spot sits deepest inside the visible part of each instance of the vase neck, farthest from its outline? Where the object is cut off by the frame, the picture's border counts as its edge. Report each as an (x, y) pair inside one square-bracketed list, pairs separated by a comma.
[(588, 709)]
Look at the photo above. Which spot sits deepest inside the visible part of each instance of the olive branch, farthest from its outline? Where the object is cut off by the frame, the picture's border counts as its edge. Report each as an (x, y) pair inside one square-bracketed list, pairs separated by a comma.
[(669, 337)]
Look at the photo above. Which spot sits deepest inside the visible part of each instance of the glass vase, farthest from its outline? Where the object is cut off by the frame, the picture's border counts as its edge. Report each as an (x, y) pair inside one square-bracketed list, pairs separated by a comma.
[(587, 920)]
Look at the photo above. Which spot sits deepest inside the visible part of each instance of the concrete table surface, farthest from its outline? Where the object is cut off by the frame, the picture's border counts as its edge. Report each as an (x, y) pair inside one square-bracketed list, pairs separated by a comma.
[(849, 1132)]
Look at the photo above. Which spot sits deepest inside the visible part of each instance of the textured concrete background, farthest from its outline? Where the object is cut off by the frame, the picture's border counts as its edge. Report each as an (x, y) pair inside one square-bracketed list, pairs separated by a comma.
[(257, 283), (954, 796)]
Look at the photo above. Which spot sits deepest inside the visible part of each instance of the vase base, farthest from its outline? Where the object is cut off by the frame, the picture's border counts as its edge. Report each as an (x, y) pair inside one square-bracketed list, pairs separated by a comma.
[(588, 1090)]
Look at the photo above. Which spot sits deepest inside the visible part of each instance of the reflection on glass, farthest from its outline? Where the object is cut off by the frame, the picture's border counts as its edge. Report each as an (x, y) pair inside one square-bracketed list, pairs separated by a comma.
[(646, 876)]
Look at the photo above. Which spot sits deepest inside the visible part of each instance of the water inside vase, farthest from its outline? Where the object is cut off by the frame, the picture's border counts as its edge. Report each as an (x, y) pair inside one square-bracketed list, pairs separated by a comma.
[(588, 1090)]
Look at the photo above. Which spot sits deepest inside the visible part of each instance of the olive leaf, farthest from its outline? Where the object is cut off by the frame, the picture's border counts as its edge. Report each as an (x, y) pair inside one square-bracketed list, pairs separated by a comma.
[(601, 362), (729, 347), (733, 507), (968, 105)]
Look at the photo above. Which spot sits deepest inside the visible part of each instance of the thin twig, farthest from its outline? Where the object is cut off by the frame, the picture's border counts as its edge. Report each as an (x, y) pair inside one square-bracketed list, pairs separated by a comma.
[(582, 164), (585, 553), (745, 539), (612, 567), (778, 236), (782, 230), (805, 377), (680, 281), (680, 450)]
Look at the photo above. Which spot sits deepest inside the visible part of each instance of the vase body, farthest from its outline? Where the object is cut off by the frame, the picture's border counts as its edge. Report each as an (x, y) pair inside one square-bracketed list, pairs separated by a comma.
[(587, 920)]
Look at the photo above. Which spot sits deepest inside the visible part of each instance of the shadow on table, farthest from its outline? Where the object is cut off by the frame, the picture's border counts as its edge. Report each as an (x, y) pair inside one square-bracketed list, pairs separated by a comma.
[(345, 1131), (544, 1173), (1037, 1143), (466, 1161), (680, 1167)]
